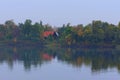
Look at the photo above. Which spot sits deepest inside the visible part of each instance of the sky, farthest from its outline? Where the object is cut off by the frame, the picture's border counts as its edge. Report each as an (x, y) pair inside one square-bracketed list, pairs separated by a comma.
[(59, 12)]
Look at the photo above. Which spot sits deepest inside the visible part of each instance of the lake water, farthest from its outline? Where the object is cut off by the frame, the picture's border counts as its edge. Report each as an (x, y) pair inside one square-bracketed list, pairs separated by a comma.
[(50, 63)]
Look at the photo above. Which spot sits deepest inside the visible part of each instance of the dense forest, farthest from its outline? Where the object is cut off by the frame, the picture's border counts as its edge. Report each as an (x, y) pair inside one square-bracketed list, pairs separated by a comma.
[(96, 32)]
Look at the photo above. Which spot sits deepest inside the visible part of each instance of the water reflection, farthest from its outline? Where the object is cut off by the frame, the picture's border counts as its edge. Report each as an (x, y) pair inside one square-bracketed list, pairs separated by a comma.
[(96, 59)]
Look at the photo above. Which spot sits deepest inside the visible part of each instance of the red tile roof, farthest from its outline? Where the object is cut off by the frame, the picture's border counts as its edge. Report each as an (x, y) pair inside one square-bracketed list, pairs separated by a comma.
[(47, 33)]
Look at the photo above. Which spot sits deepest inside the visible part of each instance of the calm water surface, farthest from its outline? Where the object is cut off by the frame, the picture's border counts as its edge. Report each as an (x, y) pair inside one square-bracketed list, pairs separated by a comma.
[(31, 63)]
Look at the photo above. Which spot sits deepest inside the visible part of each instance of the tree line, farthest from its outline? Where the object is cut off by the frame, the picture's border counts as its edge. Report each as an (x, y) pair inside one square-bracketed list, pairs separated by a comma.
[(9, 31), (96, 32)]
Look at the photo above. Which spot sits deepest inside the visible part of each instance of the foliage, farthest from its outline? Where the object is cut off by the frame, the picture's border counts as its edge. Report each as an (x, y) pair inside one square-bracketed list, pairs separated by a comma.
[(97, 32)]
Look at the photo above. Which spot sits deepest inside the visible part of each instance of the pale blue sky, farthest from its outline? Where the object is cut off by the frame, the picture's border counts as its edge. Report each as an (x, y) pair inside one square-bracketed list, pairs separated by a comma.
[(58, 12)]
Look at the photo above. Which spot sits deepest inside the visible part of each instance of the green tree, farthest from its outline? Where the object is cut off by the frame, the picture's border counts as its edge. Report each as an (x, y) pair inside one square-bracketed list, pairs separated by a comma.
[(26, 29), (10, 28)]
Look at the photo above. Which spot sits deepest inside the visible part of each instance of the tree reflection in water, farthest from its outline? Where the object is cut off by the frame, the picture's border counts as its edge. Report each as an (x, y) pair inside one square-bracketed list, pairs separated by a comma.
[(98, 59)]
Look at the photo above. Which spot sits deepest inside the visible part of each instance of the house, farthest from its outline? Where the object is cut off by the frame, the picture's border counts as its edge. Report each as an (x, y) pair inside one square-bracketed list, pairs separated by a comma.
[(50, 33)]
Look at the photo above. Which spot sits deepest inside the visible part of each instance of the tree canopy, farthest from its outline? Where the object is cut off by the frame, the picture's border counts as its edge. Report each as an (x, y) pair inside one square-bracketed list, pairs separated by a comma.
[(96, 32)]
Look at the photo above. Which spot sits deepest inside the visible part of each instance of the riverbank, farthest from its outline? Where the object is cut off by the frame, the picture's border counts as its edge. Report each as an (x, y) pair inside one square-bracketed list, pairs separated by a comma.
[(22, 43), (55, 44)]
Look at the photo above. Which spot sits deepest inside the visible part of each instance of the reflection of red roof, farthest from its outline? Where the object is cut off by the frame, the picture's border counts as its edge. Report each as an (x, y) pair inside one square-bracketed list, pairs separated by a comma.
[(47, 57), (47, 33)]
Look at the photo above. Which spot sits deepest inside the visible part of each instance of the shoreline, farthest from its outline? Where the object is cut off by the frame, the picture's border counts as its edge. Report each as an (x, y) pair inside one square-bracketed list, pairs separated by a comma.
[(52, 44)]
